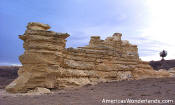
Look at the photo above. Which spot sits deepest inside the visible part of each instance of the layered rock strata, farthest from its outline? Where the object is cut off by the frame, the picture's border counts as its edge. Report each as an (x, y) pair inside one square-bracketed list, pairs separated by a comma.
[(48, 64)]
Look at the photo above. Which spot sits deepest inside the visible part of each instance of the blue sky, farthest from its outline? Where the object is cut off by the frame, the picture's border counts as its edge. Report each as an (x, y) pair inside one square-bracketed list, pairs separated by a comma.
[(138, 21)]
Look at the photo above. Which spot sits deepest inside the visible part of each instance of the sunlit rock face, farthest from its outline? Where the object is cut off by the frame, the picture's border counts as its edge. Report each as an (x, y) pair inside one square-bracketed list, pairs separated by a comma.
[(48, 64)]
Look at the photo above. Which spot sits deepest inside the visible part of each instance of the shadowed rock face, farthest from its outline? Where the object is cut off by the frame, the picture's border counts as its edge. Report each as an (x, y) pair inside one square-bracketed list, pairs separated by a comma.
[(47, 63)]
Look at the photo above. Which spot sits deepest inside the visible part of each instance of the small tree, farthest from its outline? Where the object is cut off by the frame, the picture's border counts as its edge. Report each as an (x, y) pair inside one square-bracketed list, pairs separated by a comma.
[(163, 54)]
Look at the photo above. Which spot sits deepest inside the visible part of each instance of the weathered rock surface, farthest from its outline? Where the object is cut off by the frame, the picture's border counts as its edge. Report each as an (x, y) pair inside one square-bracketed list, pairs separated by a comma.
[(48, 64)]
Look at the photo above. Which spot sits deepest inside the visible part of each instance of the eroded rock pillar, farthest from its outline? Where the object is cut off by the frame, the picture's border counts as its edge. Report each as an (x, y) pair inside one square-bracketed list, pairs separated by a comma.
[(42, 56)]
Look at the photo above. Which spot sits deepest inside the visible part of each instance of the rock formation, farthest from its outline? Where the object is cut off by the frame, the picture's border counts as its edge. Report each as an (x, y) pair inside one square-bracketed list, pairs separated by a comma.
[(48, 64)]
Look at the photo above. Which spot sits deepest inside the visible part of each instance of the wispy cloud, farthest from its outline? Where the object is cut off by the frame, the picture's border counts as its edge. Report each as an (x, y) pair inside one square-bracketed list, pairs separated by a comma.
[(142, 22)]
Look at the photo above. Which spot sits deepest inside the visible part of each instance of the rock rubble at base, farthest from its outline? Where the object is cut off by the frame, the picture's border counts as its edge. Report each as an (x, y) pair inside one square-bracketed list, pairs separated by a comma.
[(39, 90), (48, 64)]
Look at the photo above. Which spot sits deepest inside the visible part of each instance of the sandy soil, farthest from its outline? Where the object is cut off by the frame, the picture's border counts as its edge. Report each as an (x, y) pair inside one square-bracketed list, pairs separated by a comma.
[(93, 95)]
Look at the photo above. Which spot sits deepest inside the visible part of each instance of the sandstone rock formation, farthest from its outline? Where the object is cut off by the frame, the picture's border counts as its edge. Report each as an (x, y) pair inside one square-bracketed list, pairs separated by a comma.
[(48, 64)]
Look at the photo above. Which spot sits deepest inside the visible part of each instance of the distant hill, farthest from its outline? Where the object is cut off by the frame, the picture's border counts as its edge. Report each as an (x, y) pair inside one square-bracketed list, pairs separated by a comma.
[(163, 64), (7, 75)]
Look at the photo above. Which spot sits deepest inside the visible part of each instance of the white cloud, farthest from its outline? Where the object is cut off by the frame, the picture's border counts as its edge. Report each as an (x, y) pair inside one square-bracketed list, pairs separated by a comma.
[(9, 64), (161, 27)]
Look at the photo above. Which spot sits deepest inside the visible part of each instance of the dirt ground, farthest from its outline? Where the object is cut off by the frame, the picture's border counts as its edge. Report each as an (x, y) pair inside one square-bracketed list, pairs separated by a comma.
[(150, 89)]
